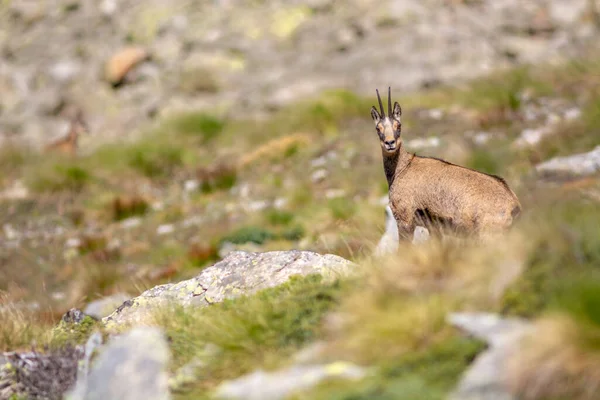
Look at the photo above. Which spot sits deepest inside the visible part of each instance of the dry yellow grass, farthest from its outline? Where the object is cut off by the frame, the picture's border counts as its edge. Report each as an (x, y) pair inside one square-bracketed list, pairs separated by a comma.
[(403, 301), (551, 363), (274, 148), (19, 327)]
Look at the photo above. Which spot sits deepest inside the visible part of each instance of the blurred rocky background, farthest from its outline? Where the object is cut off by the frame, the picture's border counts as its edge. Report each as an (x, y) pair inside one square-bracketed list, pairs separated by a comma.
[(126, 63)]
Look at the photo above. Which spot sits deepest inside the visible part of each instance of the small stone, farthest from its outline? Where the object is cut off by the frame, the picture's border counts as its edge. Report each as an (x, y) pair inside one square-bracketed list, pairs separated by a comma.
[(165, 229), (261, 385), (420, 235), (258, 205), (280, 202), (424, 143), (577, 164), (319, 175), (65, 71), (72, 243), (335, 193), (572, 113), (106, 305), (122, 62), (108, 7), (530, 137), (192, 221), (436, 114), (318, 162), (131, 222), (58, 296), (9, 232), (17, 191), (180, 23), (481, 138), (73, 316), (191, 185), (132, 366), (552, 119)]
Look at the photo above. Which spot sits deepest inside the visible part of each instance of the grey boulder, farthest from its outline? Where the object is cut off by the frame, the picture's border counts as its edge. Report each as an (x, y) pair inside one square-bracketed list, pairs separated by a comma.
[(239, 273)]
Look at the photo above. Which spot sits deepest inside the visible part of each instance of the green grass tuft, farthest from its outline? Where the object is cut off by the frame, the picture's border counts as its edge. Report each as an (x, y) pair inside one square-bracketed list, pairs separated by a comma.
[(155, 160), (65, 333), (565, 234), (249, 234), (278, 217), (196, 124), (342, 208), (428, 374), (251, 331), (59, 176)]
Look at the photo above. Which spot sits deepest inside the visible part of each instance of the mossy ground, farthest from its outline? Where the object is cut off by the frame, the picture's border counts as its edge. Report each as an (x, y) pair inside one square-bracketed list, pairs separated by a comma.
[(308, 177)]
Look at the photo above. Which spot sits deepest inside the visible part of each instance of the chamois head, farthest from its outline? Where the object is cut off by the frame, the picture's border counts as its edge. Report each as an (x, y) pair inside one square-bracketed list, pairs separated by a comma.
[(388, 126)]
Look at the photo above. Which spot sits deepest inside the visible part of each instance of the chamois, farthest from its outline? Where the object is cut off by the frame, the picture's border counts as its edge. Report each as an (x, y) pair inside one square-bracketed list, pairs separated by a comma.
[(68, 144), (438, 193)]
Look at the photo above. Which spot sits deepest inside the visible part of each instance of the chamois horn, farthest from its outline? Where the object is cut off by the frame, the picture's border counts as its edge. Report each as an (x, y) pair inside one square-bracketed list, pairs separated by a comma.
[(380, 104)]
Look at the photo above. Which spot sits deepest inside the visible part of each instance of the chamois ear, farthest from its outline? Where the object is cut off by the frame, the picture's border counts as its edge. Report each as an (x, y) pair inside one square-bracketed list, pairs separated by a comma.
[(397, 111), (375, 115)]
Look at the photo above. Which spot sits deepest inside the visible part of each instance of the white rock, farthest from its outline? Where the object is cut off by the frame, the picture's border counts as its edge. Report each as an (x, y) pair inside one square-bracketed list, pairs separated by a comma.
[(108, 7), (257, 205), (72, 243), (9, 232), (58, 296), (131, 222), (191, 185), (261, 385), (165, 229), (486, 376), (481, 138), (191, 221), (572, 113), (65, 71), (335, 193), (436, 113), (131, 366), (17, 191), (319, 175), (318, 162), (530, 137), (424, 143), (280, 202), (577, 164)]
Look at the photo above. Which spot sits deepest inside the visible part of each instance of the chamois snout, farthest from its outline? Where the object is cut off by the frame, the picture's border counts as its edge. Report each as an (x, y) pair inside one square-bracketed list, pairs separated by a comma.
[(388, 127)]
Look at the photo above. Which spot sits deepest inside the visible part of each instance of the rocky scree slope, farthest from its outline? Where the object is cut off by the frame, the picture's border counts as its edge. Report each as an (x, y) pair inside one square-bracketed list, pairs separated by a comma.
[(127, 62)]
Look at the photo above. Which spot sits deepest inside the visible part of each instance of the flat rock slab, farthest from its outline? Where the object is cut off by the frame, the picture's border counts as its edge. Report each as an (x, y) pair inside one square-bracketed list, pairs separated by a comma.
[(576, 164), (239, 273), (277, 385), (485, 379), (132, 366)]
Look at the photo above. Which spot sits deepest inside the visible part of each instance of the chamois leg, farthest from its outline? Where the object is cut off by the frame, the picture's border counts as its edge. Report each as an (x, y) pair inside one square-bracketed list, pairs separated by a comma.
[(406, 229)]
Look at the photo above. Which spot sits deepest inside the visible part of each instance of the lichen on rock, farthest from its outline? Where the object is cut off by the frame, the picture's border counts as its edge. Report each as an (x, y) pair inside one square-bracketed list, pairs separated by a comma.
[(239, 273)]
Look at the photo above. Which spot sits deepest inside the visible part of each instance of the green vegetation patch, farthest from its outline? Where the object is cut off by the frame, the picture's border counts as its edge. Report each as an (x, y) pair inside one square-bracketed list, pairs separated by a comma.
[(195, 124), (67, 333), (565, 233), (428, 374), (259, 235), (255, 331), (56, 176)]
